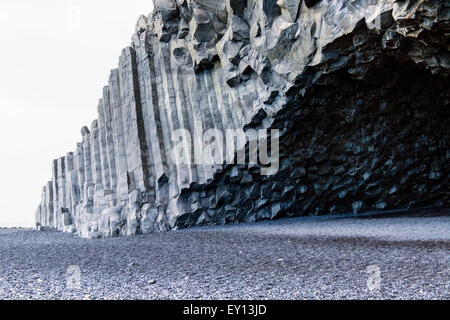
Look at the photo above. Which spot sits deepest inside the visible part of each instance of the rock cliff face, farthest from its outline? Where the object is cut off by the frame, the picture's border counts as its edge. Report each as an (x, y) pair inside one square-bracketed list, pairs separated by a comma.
[(358, 90)]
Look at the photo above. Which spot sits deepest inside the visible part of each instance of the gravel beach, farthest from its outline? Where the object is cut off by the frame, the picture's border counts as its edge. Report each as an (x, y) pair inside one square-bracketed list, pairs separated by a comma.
[(288, 259)]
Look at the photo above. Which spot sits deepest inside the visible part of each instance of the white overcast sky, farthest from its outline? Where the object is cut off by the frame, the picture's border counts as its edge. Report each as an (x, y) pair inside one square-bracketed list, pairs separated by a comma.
[(55, 57)]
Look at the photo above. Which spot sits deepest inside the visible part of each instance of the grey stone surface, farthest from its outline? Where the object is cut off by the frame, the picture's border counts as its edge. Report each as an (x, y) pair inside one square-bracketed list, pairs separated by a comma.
[(358, 89), (301, 258)]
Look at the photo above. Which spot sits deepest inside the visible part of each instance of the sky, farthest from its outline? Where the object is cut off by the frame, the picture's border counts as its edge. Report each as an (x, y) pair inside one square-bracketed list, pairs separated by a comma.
[(55, 58)]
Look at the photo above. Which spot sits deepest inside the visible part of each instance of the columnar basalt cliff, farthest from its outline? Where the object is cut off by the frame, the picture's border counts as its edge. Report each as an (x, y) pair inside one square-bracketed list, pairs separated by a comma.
[(357, 89)]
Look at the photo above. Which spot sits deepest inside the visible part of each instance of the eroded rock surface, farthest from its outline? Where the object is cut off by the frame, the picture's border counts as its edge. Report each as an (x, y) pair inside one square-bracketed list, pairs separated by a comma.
[(358, 89)]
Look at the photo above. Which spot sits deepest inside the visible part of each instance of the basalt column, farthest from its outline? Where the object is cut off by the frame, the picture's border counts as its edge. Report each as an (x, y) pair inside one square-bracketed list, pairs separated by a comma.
[(347, 100)]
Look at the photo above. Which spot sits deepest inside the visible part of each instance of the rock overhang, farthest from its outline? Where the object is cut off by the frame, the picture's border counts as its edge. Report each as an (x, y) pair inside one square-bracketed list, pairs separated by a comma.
[(260, 65)]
